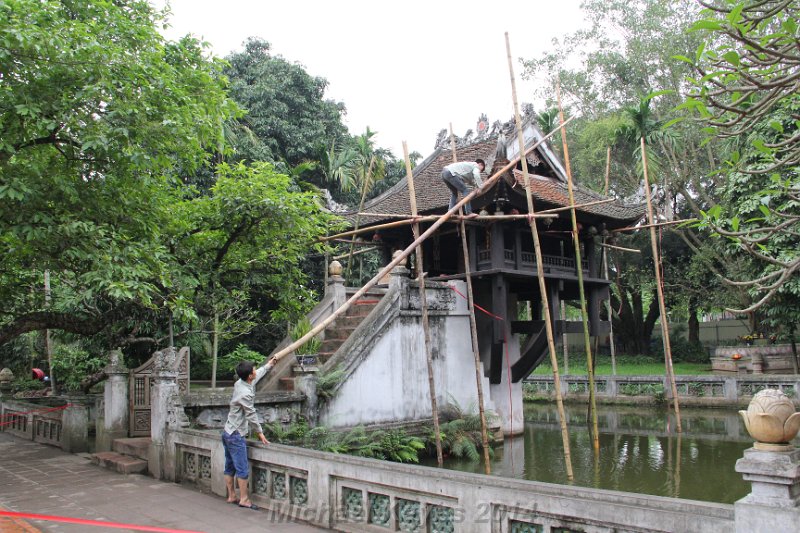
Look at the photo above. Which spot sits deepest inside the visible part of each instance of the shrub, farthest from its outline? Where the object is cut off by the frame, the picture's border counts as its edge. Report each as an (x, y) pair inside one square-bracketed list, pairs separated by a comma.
[(71, 364), (228, 362)]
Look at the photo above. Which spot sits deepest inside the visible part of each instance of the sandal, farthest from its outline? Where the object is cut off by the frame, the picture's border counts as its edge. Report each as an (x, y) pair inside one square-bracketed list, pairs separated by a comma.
[(252, 506)]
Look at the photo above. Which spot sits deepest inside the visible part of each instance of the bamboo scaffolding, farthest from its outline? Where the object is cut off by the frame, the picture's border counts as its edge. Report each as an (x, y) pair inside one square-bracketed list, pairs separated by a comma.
[(581, 289), (611, 344), (407, 220), (473, 328), (357, 243), (620, 248), (660, 291), (423, 301), (407, 251), (654, 224), (359, 252), (548, 324), (544, 213)]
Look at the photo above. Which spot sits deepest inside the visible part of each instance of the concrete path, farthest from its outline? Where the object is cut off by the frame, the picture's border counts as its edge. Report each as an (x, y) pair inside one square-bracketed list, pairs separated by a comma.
[(41, 479)]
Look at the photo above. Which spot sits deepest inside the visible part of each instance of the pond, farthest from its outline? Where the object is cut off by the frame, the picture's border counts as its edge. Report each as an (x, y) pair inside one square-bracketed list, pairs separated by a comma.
[(639, 452)]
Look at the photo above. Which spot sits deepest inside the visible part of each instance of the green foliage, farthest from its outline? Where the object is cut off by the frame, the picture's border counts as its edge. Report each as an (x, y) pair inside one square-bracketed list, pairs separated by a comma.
[(460, 434), (98, 120), (26, 384), (743, 93), (328, 381), (71, 364), (391, 445), (312, 346), (227, 363), (287, 114)]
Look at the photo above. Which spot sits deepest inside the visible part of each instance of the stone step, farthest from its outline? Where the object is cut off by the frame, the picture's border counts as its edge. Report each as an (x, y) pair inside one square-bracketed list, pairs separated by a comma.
[(346, 322), (135, 447), (124, 464), (330, 345), (287, 383), (339, 332)]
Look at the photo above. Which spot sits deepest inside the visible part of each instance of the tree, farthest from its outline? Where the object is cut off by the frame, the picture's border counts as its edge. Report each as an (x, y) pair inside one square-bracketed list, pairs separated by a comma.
[(287, 112), (748, 95), (97, 112)]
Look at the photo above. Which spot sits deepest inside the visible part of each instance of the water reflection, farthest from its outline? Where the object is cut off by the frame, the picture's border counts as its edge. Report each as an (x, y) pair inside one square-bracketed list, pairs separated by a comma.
[(639, 452)]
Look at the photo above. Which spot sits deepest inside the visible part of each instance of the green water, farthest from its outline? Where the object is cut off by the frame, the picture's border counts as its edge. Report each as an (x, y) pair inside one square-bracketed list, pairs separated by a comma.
[(639, 452)]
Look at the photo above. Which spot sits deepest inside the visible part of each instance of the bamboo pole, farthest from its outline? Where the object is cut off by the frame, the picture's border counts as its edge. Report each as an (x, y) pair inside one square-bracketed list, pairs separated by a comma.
[(214, 350), (423, 300), (655, 225), (48, 341), (611, 344), (540, 271), (540, 214), (581, 289), (660, 291), (428, 218), (364, 187), (473, 328), (620, 248), (359, 252), (564, 337), (405, 253)]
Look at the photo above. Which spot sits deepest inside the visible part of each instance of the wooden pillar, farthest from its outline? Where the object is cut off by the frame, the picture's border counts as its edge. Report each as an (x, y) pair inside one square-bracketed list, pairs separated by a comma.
[(498, 245)]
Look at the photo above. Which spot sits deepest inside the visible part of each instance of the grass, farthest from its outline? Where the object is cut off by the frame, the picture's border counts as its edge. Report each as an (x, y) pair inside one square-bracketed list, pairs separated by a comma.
[(626, 366)]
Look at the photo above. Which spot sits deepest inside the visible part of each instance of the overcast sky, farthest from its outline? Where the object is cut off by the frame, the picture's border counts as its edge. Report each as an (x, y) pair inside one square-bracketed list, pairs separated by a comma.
[(404, 68)]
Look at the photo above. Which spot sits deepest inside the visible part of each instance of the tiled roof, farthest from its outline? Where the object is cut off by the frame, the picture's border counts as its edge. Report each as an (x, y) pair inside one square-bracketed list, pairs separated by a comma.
[(433, 195), (556, 193)]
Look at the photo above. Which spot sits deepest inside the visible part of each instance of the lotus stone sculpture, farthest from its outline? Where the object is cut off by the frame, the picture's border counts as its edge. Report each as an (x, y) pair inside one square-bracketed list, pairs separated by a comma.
[(771, 419)]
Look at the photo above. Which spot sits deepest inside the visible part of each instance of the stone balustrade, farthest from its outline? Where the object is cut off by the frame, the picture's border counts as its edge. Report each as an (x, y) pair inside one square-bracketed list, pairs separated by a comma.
[(706, 390), (65, 425), (349, 493)]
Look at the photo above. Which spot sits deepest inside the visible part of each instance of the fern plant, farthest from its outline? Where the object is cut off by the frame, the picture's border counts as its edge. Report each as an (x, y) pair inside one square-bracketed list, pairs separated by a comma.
[(460, 433), (327, 383)]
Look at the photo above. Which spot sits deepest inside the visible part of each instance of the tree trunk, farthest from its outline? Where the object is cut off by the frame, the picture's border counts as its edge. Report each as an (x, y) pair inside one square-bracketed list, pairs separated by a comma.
[(694, 323)]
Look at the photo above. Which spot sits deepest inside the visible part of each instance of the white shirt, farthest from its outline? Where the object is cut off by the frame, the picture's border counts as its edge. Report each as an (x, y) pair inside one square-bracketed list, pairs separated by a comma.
[(243, 409), (466, 170)]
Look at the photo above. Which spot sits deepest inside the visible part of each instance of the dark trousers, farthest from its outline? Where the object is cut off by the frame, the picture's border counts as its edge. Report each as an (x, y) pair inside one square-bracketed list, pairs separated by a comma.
[(456, 185)]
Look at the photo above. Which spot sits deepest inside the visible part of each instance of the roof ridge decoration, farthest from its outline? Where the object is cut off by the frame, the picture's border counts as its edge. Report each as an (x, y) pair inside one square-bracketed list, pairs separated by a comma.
[(482, 133)]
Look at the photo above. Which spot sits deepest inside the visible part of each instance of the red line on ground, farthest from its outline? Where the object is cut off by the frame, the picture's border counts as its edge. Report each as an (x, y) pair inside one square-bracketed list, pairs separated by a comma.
[(98, 523)]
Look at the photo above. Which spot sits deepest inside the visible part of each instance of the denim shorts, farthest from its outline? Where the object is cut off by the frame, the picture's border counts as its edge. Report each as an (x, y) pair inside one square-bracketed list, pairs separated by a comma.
[(235, 455)]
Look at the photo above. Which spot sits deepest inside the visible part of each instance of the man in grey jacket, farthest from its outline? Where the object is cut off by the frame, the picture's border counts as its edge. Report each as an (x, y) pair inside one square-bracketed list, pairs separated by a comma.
[(241, 418), (455, 174)]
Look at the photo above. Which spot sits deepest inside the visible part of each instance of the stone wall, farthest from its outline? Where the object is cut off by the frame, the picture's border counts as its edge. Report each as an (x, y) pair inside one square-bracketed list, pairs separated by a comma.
[(708, 391), (59, 422), (384, 361), (348, 493)]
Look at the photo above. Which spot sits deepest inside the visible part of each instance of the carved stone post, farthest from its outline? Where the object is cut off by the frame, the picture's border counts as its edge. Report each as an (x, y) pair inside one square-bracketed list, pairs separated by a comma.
[(115, 403), (336, 284), (772, 466), (399, 281), (164, 390), (6, 378)]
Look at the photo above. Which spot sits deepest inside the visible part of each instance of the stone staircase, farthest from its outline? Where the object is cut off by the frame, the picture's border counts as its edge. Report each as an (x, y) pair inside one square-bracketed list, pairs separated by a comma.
[(335, 335), (127, 456)]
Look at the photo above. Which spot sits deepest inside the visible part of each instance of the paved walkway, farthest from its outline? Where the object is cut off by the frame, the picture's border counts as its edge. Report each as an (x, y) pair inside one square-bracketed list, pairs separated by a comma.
[(41, 479)]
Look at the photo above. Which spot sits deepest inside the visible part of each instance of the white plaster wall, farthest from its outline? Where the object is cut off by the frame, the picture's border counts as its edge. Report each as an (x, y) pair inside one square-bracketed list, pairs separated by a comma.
[(391, 382)]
